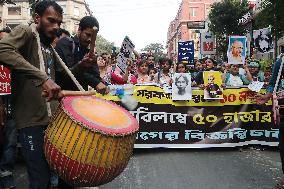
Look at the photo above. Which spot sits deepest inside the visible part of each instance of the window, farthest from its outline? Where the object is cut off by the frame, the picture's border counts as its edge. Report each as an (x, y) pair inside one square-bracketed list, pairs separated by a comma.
[(14, 10), (192, 11), (76, 11)]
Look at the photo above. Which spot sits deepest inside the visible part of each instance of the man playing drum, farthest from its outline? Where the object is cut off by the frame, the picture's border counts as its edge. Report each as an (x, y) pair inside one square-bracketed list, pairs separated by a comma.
[(20, 52)]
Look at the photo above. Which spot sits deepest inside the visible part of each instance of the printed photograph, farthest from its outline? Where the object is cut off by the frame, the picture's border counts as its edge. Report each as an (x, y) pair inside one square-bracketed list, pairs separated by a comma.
[(181, 88), (237, 49), (213, 85)]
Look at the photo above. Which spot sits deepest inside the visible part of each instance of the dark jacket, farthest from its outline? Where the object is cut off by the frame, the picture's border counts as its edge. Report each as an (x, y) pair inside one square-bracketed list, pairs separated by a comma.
[(71, 52)]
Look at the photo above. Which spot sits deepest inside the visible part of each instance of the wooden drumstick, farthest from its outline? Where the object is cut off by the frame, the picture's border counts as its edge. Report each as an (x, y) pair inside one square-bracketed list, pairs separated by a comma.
[(93, 41), (65, 93)]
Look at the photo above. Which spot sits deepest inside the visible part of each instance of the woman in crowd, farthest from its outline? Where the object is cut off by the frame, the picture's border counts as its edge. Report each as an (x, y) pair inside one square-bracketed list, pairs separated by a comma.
[(210, 66), (180, 68), (234, 79), (130, 74), (152, 72), (103, 70), (164, 76)]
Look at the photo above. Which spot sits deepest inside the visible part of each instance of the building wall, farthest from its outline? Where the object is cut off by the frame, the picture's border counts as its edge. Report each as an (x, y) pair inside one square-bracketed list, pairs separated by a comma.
[(189, 10), (74, 10)]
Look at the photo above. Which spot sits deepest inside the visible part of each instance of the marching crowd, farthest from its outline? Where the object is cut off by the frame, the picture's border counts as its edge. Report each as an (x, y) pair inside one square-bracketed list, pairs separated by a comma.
[(19, 52), (147, 70)]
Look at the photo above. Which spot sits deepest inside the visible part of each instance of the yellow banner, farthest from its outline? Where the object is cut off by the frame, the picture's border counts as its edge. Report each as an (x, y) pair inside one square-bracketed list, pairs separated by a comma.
[(156, 95)]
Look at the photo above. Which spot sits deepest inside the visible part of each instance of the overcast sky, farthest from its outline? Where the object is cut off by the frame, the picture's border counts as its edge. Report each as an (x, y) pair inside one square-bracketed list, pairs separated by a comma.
[(144, 21)]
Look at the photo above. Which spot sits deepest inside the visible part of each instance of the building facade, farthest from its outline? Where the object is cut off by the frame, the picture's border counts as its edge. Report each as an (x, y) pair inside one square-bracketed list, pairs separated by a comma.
[(74, 10), (189, 11)]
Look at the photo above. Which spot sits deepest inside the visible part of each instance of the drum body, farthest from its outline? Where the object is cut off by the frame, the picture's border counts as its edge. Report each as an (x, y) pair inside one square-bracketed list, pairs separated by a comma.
[(89, 141)]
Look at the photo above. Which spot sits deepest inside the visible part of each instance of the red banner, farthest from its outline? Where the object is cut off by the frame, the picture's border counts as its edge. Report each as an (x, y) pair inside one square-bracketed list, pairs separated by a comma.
[(5, 80)]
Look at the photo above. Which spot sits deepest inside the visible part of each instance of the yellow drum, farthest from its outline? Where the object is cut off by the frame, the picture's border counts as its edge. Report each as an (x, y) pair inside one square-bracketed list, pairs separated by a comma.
[(89, 141)]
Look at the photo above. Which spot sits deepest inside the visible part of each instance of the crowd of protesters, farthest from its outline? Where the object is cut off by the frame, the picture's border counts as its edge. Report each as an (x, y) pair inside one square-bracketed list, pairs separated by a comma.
[(19, 52), (150, 70)]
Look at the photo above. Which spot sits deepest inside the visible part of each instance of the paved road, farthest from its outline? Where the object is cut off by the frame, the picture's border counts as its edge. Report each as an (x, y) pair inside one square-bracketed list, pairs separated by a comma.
[(194, 169)]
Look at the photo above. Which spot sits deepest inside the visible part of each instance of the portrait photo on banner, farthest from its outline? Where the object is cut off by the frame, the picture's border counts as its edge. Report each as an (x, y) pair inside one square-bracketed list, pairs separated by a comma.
[(181, 87), (213, 85), (237, 49), (263, 40)]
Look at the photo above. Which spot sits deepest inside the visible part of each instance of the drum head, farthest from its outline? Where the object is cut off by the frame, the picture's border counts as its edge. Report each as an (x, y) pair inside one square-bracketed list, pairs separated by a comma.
[(100, 115)]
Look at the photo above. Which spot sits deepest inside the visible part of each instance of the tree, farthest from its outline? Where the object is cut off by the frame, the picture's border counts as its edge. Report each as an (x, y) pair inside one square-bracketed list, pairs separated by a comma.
[(223, 21), (154, 48), (103, 45)]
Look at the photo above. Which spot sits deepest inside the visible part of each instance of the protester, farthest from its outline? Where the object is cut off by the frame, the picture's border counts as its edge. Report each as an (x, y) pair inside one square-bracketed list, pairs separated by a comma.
[(225, 67), (151, 61), (75, 53), (181, 68), (19, 51), (103, 70), (234, 79), (106, 58), (143, 76), (210, 66), (254, 69), (152, 72), (164, 77), (130, 74)]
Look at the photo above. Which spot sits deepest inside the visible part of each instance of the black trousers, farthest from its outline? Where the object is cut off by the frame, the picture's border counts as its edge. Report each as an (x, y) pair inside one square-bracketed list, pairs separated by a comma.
[(31, 139), (63, 185)]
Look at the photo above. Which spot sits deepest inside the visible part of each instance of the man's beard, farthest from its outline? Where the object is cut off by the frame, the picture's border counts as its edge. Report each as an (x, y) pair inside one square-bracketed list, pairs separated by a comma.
[(44, 38)]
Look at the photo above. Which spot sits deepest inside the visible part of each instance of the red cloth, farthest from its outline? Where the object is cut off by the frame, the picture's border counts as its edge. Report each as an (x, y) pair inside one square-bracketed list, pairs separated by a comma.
[(116, 79)]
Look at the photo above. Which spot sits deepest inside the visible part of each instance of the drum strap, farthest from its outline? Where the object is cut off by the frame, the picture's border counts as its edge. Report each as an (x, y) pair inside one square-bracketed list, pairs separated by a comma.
[(42, 67)]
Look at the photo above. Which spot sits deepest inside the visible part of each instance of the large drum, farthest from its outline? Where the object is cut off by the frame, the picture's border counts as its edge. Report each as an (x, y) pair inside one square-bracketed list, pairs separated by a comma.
[(89, 141)]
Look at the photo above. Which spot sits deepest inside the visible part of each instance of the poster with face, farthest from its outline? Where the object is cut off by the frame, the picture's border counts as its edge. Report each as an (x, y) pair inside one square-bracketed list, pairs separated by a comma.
[(237, 49), (263, 41), (126, 49), (181, 87), (213, 85)]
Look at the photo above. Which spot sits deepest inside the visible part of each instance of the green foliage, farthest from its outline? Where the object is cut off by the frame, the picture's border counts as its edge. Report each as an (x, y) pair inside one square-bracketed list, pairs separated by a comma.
[(103, 45), (266, 64), (154, 48), (224, 17), (272, 14)]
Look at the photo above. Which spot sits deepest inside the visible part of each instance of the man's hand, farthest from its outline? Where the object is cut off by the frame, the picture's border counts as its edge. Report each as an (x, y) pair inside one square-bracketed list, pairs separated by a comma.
[(88, 61), (102, 88), (52, 90), (262, 99)]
